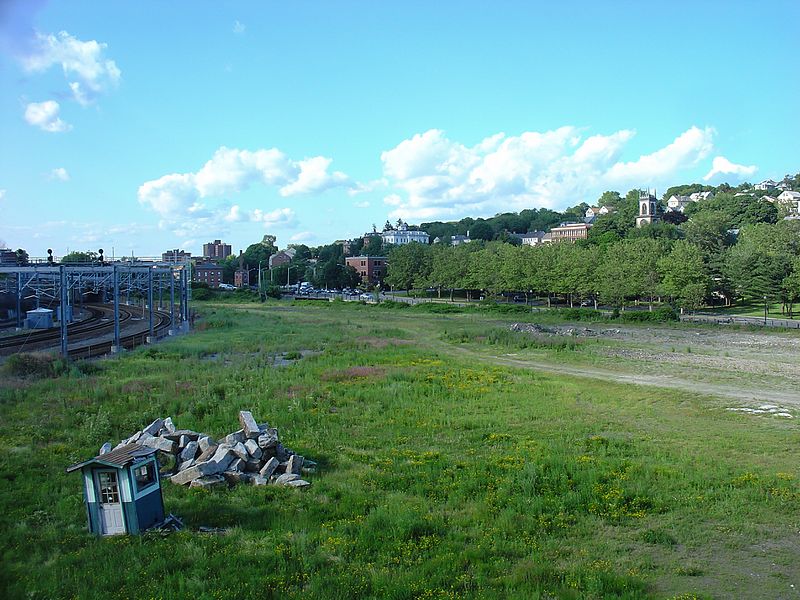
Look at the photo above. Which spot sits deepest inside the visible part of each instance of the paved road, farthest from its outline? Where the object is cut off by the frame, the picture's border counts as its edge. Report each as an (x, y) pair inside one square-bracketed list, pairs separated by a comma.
[(736, 320)]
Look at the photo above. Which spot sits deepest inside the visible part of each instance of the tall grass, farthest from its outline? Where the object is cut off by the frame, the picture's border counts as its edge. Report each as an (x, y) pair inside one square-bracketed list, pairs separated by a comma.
[(438, 477)]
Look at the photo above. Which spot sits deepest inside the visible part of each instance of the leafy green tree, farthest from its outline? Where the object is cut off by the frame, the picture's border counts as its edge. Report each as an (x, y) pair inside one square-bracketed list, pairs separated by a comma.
[(684, 276), (79, 257), (408, 264), (610, 199), (481, 230)]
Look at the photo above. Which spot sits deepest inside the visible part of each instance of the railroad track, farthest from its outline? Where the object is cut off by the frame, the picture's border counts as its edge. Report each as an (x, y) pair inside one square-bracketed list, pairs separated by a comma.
[(99, 324)]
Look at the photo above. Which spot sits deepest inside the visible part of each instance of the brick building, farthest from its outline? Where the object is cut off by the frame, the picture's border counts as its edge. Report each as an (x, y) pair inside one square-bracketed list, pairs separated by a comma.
[(208, 273), (216, 250), (176, 256), (372, 269)]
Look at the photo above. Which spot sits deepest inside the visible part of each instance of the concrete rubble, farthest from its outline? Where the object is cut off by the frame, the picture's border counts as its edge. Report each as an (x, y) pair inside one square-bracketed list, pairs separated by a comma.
[(251, 455)]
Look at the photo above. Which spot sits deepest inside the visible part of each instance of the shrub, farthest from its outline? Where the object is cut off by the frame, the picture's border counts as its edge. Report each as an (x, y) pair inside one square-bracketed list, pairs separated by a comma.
[(36, 364), (660, 315)]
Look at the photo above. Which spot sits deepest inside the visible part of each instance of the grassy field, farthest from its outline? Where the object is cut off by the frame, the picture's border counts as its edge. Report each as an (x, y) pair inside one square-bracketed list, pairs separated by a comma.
[(443, 473)]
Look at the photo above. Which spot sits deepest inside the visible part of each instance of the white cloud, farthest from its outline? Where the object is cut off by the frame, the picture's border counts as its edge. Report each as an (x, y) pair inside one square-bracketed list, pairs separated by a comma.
[(435, 177), (234, 215), (686, 151), (303, 236), (44, 115), (279, 216), (3, 194), (84, 65), (177, 197), (722, 166), (364, 204), (60, 173), (238, 27)]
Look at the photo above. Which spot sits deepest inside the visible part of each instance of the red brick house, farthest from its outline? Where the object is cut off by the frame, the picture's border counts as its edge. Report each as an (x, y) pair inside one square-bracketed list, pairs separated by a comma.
[(372, 269)]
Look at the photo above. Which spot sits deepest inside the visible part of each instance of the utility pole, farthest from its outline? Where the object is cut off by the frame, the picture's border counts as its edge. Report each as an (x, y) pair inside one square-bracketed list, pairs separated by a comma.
[(63, 277)]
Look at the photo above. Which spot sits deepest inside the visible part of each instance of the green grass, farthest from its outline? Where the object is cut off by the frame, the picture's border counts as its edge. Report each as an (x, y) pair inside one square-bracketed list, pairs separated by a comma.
[(438, 477)]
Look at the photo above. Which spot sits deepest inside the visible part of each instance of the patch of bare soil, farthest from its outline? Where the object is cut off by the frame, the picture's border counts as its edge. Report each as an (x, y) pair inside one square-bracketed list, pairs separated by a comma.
[(722, 363), (380, 342)]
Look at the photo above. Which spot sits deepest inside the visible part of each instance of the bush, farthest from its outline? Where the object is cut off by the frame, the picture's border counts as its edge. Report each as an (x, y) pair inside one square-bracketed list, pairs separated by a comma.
[(36, 364), (438, 309), (202, 293), (395, 304), (582, 314), (660, 315)]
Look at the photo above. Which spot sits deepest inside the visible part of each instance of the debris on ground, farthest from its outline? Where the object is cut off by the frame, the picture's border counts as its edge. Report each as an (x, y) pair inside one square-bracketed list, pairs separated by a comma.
[(253, 454), (765, 409)]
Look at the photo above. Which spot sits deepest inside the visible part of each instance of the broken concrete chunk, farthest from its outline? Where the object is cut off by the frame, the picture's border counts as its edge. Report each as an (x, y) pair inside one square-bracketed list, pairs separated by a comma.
[(295, 464), (235, 437), (207, 481), (249, 424), (259, 480), (269, 467), (253, 449), (154, 427), (204, 441), (206, 454), (186, 464), (189, 451), (252, 465), (105, 448), (223, 457), (159, 443), (268, 439), (286, 478), (241, 451), (237, 464), (190, 474), (298, 483), (169, 425)]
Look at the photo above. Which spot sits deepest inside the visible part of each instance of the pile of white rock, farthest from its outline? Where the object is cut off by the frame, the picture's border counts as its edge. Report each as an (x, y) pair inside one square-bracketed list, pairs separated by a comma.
[(252, 454)]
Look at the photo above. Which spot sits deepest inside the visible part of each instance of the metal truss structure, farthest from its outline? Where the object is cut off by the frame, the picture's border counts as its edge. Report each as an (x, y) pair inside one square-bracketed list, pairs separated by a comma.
[(65, 286)]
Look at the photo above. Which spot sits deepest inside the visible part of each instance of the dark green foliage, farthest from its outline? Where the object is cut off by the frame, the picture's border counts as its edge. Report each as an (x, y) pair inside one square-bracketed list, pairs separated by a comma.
[(664, 314), (35, 364)]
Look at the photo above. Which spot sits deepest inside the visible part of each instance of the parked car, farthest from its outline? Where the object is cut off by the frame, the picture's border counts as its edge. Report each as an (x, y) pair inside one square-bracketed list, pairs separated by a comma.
[(226, 286)]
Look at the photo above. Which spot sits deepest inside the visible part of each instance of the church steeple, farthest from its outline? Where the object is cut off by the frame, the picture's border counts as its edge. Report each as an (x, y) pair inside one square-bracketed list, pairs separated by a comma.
[(648, 212)]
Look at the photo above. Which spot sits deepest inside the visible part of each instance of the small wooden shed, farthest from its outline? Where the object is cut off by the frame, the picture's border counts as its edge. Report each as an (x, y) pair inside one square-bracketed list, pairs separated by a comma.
[(122, 490)]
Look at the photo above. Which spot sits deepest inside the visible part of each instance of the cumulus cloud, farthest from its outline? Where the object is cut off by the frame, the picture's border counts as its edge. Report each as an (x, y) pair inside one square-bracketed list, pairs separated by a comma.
[(238, 27), (84, 64), (278, 217), (178, 196), (60, 174), (722, 166), (435, 177), (44, 115)]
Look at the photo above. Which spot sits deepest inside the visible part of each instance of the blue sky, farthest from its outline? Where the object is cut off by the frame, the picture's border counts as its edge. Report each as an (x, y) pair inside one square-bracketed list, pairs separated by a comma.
[(144, 126)]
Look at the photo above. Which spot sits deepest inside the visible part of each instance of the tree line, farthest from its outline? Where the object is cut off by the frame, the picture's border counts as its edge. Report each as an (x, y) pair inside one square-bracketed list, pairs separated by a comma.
[(730, 248)]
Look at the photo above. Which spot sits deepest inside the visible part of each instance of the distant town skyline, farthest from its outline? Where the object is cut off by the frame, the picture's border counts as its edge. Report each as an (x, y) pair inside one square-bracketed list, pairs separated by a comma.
[(150, 126)]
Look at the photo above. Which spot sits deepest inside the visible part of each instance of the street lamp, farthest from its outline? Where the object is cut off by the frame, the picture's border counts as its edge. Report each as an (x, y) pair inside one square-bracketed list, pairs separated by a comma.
[(765, 311)]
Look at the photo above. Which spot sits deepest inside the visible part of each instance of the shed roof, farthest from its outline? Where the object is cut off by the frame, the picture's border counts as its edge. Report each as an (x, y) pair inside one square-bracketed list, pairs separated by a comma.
[(119, 457)]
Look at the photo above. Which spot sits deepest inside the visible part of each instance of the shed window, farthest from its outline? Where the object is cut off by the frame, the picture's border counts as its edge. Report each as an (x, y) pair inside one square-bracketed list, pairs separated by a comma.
[(145, 475), (109, 492)]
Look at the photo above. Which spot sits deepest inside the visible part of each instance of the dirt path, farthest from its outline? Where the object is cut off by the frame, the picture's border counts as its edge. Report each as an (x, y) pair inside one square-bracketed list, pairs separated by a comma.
[(741, 395)]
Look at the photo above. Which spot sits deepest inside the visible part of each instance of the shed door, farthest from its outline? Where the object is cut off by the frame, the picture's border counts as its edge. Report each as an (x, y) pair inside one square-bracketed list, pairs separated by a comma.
[(110, 506)]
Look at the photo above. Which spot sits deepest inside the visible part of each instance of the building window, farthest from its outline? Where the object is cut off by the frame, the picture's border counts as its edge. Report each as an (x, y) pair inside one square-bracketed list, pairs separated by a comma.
[(363, 263), (377, 263), (109, 492), (145, 476)]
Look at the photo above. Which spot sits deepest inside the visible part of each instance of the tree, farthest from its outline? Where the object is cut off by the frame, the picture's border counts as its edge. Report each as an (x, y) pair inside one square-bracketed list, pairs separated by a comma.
[(408, 264), (481, 230), (610, 199), (79, 257), (684, 276)]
